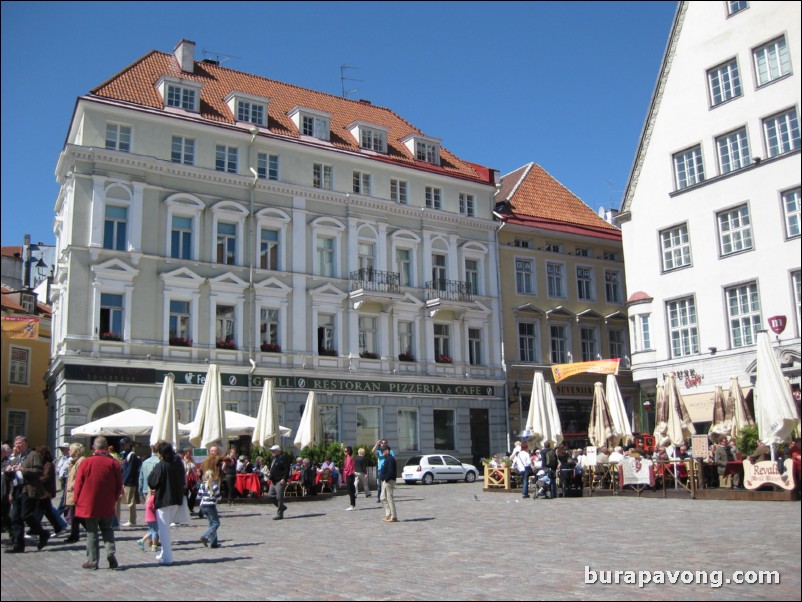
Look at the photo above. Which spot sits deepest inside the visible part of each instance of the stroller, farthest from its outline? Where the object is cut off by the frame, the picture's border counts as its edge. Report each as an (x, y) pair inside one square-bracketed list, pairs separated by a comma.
[(543, 484)]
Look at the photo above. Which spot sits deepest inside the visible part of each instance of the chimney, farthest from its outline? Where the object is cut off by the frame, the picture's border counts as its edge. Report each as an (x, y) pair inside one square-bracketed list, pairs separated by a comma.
[(185, 55)]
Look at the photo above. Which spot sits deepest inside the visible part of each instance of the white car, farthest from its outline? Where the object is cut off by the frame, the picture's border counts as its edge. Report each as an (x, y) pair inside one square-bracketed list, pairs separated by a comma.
[(437, 467)]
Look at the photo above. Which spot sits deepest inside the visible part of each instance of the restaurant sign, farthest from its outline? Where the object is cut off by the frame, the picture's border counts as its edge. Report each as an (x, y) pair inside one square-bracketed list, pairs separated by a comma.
[(768, 473), (634, 470)]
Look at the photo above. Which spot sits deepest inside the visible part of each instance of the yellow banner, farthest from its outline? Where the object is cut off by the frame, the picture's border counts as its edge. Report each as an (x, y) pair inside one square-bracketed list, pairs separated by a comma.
[(563, 371), (21, 327)]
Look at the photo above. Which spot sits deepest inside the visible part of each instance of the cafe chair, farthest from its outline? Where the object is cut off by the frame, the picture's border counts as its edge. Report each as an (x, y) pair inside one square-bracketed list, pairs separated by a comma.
[(324, 481)]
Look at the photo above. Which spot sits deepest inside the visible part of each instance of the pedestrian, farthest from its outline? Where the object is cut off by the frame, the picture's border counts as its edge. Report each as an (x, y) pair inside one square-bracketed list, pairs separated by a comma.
[(167, 479), (279, 474), (76, 457), (131, 467), (98, 486), (151, 538), (209, 494), (193, 479), (62, 471), (230, 473), (214, 462), (361, 470), (377, 450), (522, 461), (46, 509), (27, 490), (349, 472), (387, 473)]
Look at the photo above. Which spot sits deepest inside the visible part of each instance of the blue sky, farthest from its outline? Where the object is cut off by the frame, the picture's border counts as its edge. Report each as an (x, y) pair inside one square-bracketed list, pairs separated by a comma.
[(564, 84)]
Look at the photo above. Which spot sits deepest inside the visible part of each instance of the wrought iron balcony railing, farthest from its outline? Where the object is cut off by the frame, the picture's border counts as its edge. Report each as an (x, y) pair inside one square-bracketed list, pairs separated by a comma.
[(369, 279), (449, 290)]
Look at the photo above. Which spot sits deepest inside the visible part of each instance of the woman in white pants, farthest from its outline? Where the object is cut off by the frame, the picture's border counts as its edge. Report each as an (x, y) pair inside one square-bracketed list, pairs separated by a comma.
[(168, 480)]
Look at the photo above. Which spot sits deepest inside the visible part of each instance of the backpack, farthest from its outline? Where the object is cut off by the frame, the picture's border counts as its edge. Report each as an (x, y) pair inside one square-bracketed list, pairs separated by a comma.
[(551, 460)]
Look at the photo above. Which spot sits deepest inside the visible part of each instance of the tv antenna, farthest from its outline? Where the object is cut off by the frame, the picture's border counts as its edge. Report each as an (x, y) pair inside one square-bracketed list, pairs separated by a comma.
[(610, 192), (344, 79), (217, 57)]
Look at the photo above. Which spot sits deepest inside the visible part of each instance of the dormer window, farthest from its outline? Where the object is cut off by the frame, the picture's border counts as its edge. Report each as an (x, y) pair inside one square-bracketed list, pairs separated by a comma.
[(423, 148), (370, 137), (180, 94), (28, 302), (247, 108), (312, 123)]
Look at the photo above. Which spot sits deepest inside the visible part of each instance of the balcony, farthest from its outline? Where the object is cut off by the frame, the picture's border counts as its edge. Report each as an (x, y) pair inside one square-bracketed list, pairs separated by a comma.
[(374, 286), (450, 295)]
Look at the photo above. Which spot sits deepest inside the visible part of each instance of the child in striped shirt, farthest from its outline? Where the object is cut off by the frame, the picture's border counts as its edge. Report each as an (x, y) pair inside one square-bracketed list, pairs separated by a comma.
[(209, 495)]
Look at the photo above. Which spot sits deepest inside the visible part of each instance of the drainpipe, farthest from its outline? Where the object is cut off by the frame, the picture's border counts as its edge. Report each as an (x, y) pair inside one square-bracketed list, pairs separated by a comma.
[(251, 302)]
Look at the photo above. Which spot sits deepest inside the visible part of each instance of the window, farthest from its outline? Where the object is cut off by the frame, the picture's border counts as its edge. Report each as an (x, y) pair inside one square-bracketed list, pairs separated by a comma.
[(439, 272), (321, 176), (372, 140), (734, 230), (225, 158), (527, 341), (474, 346), (444, 429), (553, 247), (556, 279), (17, 424), (403, 259), (226, 243), (743, 312), (181, 97), (613, 286), (28, 302), (467, 204), (325, 335), (362, 183), (724, 82), (325, 256), (523, 243), (611, 256), (118, 137), (368, 420), (408, 431), (796, 288), (367, 336), (406, 339), (645, 329), (676, 247), (582, 252), (267, 166), (733, 151), (682, 327), (111, 316), (433, 198), (330, 421), (688, 168), (114, 227), (442, 342), (791, 212), (317, 127), (367, 257), (398, 191), (180, 320), (584, 283), (772, 61), (268, 249), (251, 112), (225, 324), (559, 344), (736, 6), (428, 152), (588, 339), (268, 327), (183, 150), (524, 277), (472, 276), (618, 346), (781, 133), (181, 238), (20, 367)]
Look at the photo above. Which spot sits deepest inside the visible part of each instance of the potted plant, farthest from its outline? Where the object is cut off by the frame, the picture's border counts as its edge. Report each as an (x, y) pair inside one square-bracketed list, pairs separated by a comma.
[(180, 342), (227, 345), (370, 355), (406, 357), (443, 359), (110, 336), (271, 347)]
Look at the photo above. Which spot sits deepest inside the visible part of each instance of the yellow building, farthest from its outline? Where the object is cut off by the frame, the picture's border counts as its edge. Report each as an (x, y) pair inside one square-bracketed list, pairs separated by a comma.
[(26, 356), (563, 296)]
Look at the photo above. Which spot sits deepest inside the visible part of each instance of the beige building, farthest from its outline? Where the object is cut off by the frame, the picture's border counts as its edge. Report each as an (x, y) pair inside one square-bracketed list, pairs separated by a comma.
[(563, 292)]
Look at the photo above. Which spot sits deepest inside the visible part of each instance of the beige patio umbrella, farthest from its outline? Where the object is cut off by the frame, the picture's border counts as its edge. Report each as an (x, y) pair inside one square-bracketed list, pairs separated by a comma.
[(600, 430), (615, 403), (309, 431), (242, 425), (209, 426), (741, 417), (267, 430), (680, 425), (723, 415), (543, 419), (165, 427), (660, 416)]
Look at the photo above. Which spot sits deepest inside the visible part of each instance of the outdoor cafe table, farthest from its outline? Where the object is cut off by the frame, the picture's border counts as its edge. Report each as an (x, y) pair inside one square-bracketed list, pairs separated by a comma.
[(248, 482)]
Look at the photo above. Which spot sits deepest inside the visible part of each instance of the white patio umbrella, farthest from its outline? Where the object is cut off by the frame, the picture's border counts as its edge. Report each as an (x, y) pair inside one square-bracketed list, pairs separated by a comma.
[(600, 430), (543, 419), (723, 414), (266, 431), (133, 422), (165, 427), (660, 416), (238, 425), (680, 425), (615, 403), (774, 407), (741, 416), (309, 429), (209, 426)]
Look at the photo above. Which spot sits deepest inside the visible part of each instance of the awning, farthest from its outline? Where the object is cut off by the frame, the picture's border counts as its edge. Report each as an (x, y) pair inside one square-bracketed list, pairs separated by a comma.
[(700, 405)]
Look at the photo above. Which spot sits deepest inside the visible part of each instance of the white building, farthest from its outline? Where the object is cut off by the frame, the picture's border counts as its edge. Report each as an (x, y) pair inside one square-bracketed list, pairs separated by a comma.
[(209, 215), (711, 214)]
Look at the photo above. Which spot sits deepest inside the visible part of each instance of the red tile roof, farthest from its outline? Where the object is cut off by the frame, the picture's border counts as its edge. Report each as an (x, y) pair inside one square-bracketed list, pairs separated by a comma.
[(531, 196), (137, 85), (9, 303)]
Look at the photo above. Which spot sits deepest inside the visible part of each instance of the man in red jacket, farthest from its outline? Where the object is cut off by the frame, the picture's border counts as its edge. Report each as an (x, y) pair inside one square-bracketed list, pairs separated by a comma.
[(98, 484)]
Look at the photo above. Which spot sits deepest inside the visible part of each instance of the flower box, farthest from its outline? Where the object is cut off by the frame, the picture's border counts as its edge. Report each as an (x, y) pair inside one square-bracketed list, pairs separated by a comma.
[(331, 352), (443, 359), (369, 355), (110, 336), (271, 347), (180, 342), (406, 357), (227, 345)]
